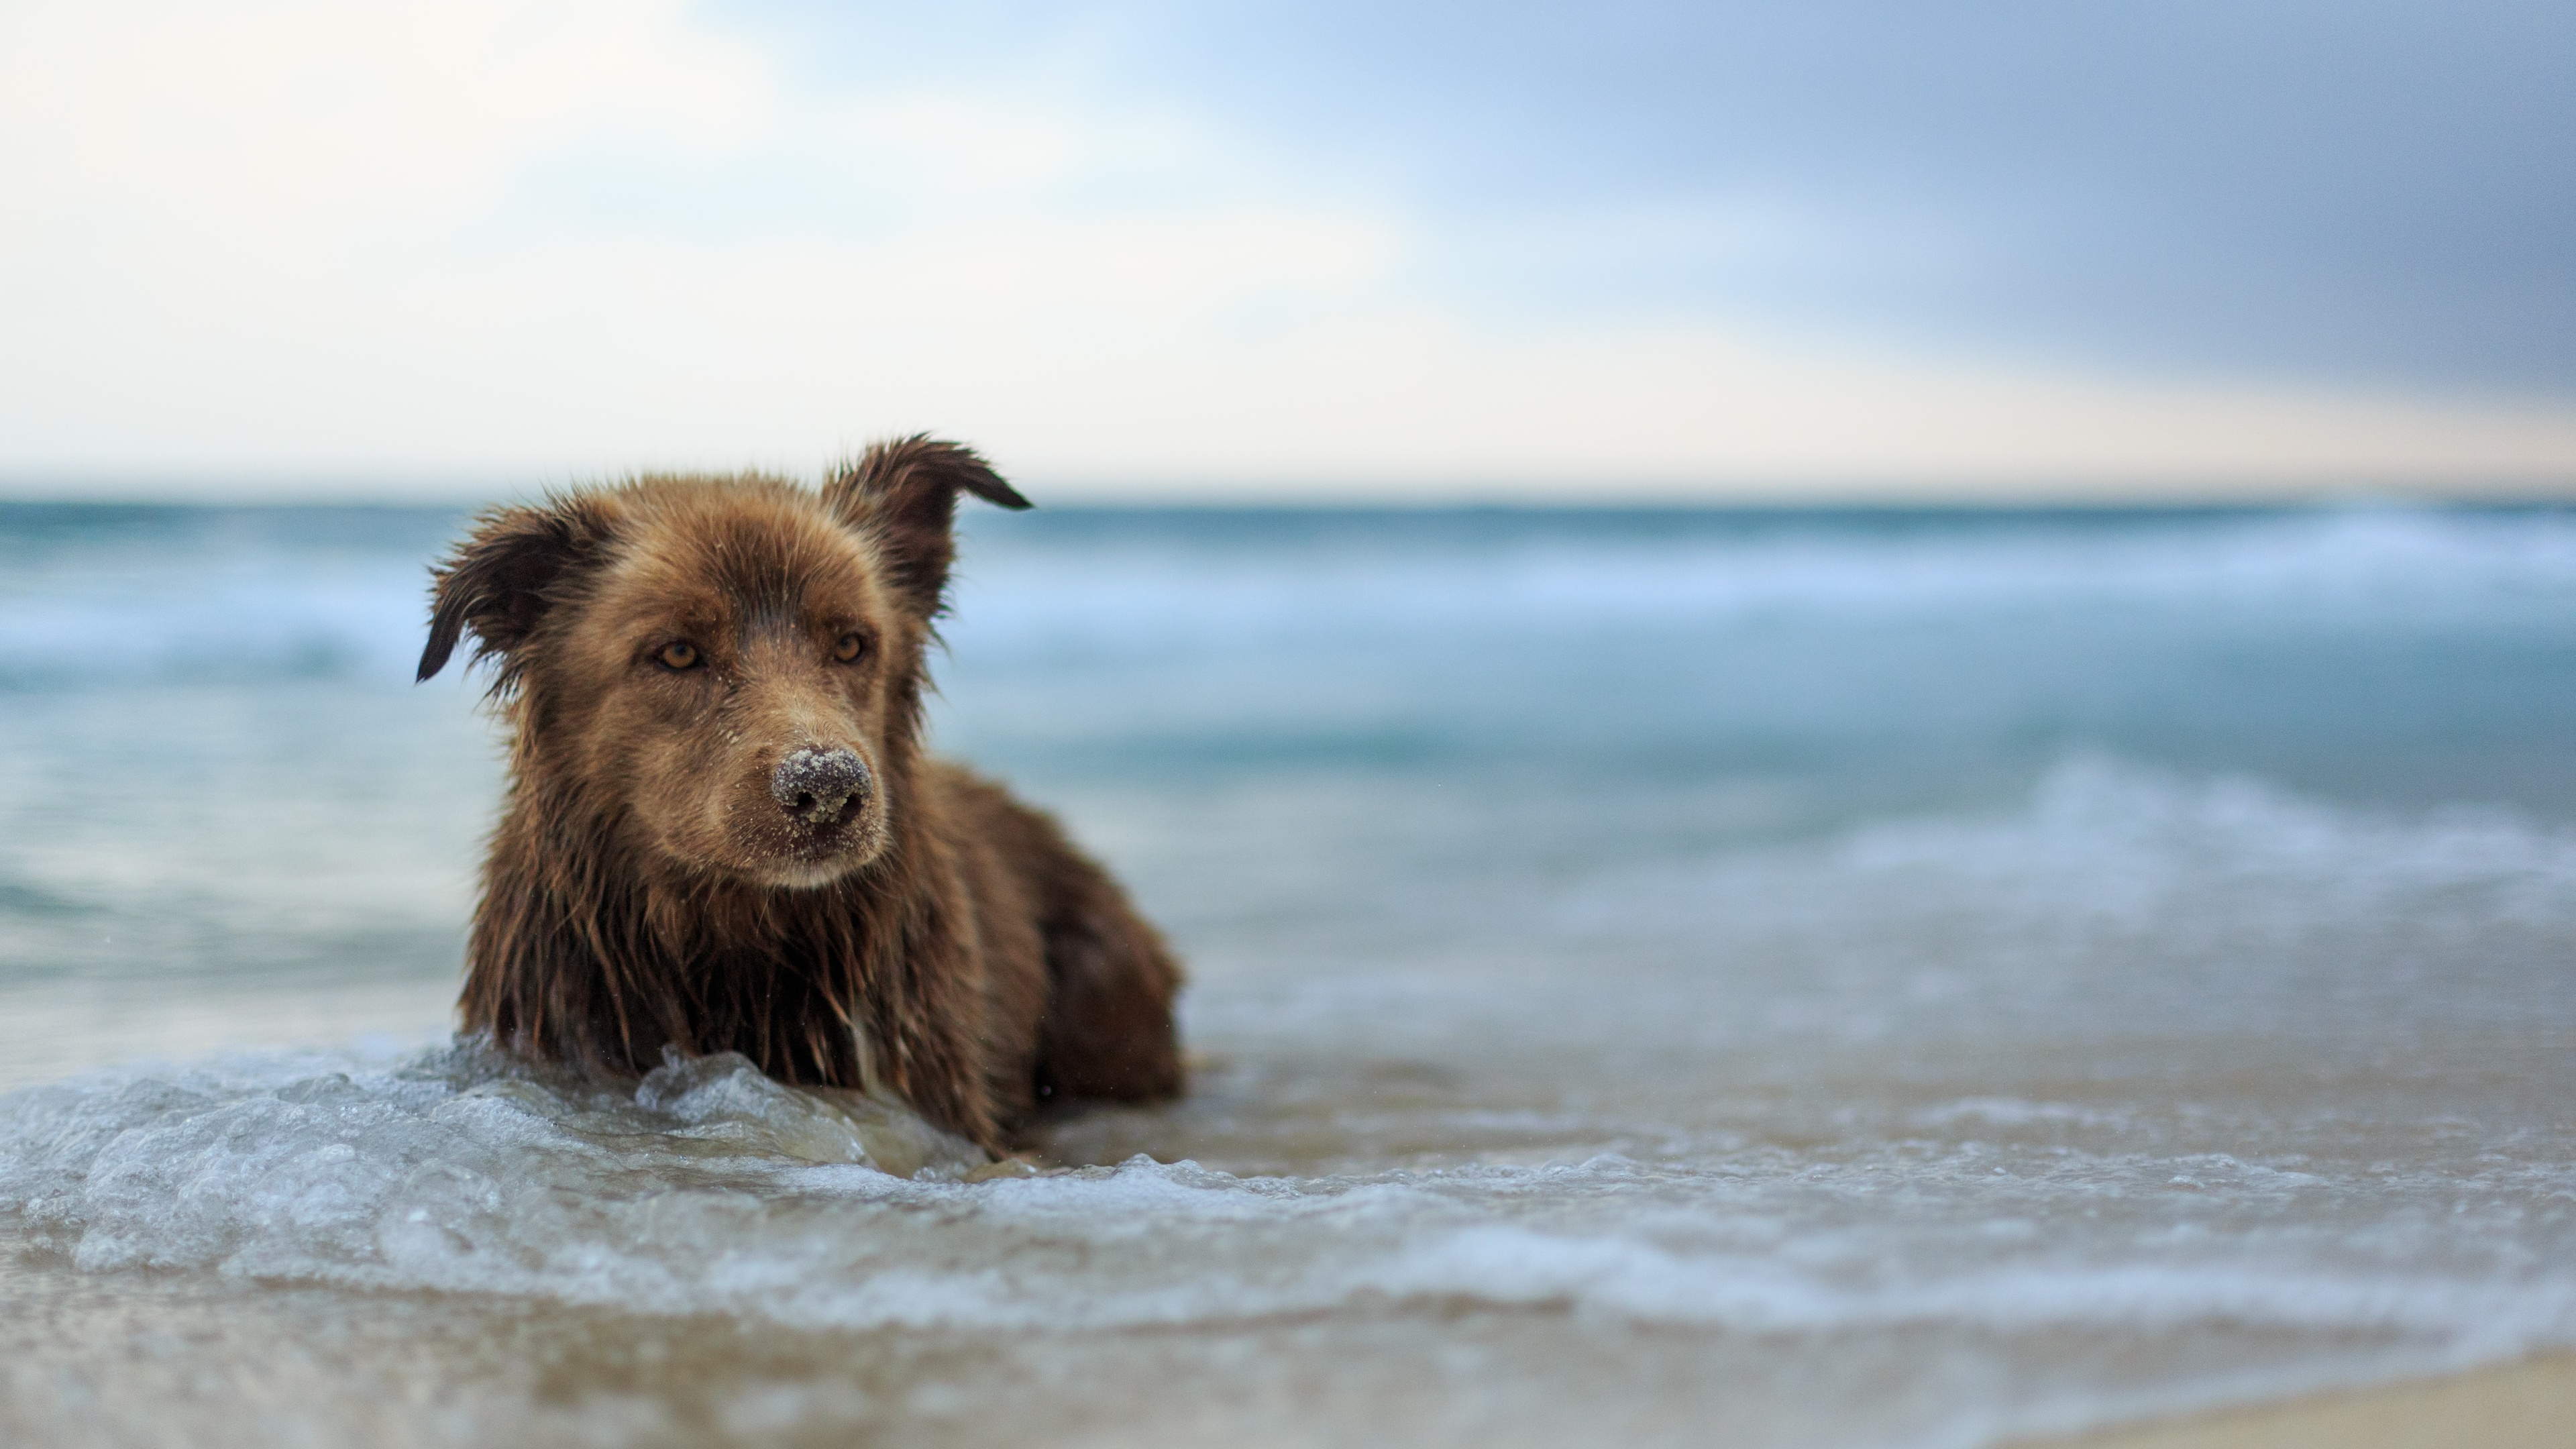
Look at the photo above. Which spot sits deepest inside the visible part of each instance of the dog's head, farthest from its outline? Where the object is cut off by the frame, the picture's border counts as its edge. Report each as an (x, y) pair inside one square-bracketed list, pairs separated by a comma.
[(721, 670)]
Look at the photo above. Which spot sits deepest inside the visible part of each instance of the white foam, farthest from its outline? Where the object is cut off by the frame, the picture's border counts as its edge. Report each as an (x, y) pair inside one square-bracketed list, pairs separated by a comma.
[(2115, 901), (713, 1189), (2132, 830), (2348, 566)]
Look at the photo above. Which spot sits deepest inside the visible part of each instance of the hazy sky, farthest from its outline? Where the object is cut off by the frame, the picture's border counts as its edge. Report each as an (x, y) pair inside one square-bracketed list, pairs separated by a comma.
[(1200, 250)]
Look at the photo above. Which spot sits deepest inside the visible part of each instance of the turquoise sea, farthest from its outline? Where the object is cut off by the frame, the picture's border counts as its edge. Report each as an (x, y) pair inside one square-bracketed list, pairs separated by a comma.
[(1743, 977)]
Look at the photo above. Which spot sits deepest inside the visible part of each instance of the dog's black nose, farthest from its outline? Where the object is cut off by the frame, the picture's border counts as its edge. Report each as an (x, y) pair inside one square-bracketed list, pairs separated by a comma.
[(813, 785)]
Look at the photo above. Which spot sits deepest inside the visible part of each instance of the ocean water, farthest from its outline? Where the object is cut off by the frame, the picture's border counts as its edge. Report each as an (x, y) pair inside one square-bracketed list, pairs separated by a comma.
[(1739, 978)]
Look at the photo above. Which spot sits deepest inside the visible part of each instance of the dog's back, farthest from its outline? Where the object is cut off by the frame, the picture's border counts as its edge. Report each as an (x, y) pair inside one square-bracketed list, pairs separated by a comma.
[(1068, 952)]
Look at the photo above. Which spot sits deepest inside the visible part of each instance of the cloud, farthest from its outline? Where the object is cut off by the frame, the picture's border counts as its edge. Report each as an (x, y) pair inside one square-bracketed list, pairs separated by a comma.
[(2364, 190), (315, 247)]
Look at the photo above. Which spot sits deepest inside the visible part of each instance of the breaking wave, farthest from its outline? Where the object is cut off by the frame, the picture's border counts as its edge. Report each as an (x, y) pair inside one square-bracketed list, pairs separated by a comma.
[(241, 603)]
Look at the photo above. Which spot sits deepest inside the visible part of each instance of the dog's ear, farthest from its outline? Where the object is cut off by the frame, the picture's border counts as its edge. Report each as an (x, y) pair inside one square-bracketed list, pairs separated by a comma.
[(501, 579), (905, 492)]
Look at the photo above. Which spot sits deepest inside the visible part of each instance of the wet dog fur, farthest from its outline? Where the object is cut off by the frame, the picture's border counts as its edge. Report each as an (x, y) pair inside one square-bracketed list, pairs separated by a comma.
[(722, 832)]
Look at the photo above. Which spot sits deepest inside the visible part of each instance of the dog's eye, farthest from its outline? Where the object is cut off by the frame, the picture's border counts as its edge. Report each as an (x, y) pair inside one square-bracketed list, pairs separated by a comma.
[(679, 654), (849, 647)]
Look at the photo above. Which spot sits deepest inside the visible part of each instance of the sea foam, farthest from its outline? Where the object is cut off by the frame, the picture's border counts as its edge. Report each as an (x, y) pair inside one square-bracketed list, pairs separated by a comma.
[(709, 1188)]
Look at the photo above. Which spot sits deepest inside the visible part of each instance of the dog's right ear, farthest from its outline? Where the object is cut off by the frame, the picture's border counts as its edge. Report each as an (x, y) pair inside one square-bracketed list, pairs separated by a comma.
[(500, 580)]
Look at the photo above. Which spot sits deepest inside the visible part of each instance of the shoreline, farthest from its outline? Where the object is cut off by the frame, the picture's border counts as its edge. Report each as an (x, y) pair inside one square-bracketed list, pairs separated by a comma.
[(2527, 1404)]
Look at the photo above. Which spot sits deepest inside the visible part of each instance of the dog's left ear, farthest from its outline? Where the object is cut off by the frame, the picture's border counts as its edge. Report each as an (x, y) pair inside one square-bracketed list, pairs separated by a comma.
[(905, 492)]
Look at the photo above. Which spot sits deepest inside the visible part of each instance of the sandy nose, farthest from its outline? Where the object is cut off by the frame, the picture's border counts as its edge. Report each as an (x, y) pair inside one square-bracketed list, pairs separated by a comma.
[(813, 785)]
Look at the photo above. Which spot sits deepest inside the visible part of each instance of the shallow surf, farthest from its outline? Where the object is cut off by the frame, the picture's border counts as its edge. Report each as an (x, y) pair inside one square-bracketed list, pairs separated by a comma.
[(1855, 980)]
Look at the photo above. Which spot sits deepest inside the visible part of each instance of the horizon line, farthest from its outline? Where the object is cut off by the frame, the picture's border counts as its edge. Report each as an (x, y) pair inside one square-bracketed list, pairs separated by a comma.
[(2360, 498), (234, 488)]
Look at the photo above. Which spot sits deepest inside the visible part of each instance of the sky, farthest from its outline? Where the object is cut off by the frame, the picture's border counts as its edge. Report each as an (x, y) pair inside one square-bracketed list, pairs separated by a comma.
[(1156, 251)]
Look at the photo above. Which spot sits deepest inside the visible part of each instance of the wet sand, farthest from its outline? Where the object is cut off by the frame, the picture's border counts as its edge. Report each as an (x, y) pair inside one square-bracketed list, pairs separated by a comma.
[(2528, 1405), (118, 1360)]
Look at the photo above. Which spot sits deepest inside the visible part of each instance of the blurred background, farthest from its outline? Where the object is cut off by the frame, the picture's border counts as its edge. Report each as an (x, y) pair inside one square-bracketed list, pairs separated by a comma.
[(1891, 407), (1890, 342), (1479, 446), (1207, 252)]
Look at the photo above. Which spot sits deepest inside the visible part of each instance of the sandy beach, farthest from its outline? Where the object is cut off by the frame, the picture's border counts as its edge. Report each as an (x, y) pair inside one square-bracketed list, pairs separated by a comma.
[(2527, 1405)]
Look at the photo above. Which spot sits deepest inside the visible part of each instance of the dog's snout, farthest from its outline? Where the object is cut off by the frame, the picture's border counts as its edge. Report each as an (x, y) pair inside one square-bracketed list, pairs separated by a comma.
[(815, 785)]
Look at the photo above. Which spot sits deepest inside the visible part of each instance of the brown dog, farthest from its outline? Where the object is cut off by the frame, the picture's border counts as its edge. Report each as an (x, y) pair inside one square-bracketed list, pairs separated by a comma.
[(722, 833)]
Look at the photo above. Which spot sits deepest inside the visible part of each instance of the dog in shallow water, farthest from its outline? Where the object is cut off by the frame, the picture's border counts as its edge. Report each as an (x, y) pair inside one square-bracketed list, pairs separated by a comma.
[(723, 834)]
